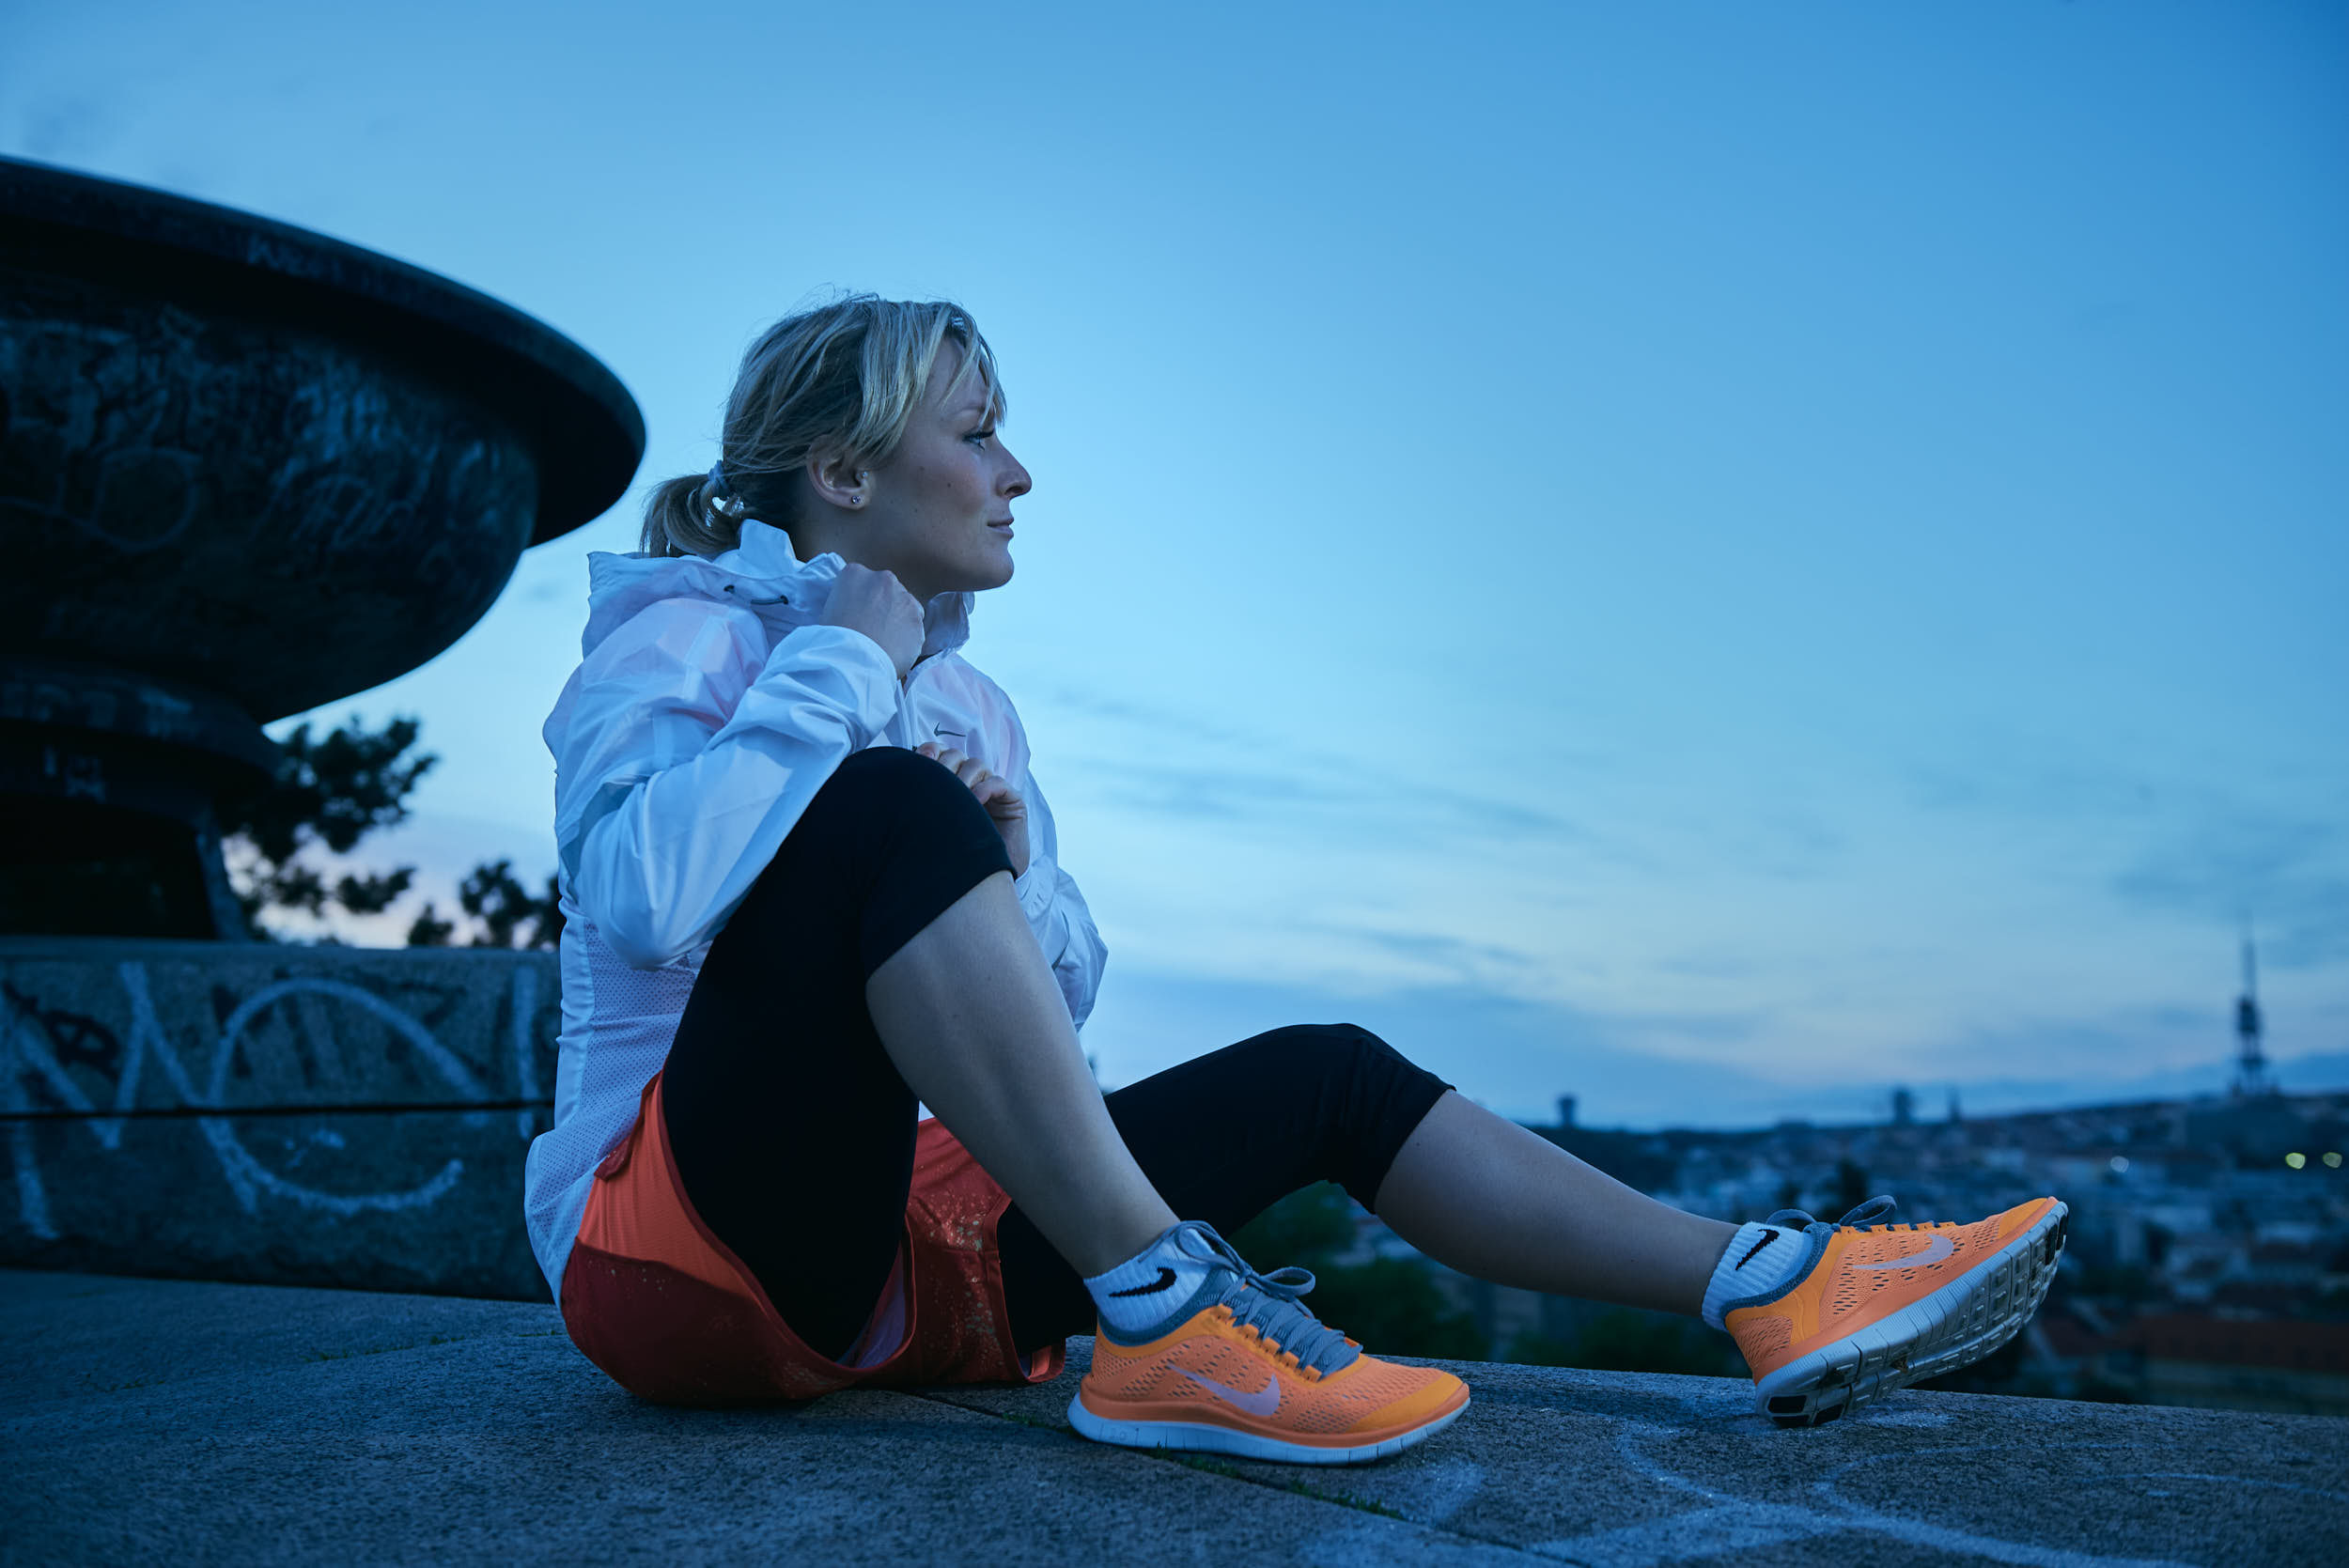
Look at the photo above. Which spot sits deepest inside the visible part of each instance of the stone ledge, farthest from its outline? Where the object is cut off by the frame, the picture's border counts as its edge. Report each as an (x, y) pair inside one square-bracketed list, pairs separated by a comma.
[(254, 1423)]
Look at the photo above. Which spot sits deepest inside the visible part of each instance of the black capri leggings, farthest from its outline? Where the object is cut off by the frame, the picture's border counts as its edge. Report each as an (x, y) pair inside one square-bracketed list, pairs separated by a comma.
[(793, 1132)]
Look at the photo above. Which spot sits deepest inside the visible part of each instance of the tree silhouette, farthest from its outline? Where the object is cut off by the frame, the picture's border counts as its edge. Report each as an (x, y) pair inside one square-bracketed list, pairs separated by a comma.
[(491, 896), (336, 790)]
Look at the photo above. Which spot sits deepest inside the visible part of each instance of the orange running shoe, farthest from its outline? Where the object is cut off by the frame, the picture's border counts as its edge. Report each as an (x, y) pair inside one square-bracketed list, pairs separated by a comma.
[(1245, 1367), (1880, 1306)]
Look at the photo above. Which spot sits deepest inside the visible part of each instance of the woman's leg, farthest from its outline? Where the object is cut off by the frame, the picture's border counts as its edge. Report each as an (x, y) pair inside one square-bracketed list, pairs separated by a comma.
[(882, 958), (973, 1019), (1481, 1194), (791, 1127), (1226, 1135)]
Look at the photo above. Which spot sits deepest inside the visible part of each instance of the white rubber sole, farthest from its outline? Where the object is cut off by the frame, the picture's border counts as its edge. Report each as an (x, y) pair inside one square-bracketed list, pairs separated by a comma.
[(1205, 1438), (1957, 1325)]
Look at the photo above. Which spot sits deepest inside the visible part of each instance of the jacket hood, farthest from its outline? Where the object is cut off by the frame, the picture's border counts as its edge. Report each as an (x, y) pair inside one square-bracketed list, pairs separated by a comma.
[(761, 573)]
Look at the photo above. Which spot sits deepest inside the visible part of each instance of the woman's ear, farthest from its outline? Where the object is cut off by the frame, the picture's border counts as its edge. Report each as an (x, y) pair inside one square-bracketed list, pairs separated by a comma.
[(839, 483)]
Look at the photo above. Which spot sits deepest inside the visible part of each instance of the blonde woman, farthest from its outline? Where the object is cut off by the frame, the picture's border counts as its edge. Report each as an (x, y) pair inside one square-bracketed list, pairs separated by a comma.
[(810, 882)]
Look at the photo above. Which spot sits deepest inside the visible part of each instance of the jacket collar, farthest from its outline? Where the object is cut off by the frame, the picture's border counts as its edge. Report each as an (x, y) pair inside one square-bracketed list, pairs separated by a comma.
[(761, 573)]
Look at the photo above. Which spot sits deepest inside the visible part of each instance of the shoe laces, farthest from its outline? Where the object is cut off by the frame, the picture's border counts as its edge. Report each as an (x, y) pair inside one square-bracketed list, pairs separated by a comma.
[(1863, 1217), (1266, 1305)]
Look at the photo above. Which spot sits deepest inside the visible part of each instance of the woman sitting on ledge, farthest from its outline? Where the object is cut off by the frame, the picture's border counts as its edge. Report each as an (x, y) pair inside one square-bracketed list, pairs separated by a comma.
[(810, 882)]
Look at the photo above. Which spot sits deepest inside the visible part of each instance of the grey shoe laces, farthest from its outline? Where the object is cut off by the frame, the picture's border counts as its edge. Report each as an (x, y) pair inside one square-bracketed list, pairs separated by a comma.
[(1878, 1208), (1268, 1303)]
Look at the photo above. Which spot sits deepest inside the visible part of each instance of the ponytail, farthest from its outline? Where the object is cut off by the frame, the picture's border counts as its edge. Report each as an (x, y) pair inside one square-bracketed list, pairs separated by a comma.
[(681, 518)]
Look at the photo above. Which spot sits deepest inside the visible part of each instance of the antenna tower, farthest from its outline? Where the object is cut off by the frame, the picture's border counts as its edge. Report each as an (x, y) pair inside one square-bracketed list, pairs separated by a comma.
[(2251, 1061)]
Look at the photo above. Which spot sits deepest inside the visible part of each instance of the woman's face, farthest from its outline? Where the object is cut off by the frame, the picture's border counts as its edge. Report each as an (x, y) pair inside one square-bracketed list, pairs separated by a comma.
[(937, 512)]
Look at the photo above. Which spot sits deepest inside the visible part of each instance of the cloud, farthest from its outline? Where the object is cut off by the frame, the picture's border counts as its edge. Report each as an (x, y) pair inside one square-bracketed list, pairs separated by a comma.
[(1203, 793), (1503, 818), (1712, 964), (2182, 845), (1466, 963), (2288, 873), (2029, 782), (1267, 779), (1164, 722), (1708, 1030)]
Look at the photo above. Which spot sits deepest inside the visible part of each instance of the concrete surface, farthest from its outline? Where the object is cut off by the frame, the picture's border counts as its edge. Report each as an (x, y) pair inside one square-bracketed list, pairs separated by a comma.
[(209, 1423), (278, 1114)]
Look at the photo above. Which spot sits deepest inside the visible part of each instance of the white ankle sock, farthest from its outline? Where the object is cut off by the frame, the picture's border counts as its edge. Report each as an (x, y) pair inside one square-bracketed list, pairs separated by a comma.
[(1150, 1285), (1759, 1258)]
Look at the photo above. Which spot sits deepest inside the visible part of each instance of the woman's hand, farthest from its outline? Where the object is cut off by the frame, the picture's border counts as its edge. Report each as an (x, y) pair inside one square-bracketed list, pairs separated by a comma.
[(877, 604), (1002, 802)]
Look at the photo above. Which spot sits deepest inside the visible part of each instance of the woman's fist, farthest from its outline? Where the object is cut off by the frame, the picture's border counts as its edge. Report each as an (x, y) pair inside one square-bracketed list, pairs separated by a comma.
[(995, 793), (877, 604)]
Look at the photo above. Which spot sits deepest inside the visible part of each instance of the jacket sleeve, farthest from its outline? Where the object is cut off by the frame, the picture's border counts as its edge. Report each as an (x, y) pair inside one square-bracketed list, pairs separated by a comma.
[(693, 750), (1056, 912)]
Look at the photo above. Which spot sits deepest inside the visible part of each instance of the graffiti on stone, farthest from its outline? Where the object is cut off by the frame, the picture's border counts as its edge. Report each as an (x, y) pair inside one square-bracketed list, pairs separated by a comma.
[(224, 1056)]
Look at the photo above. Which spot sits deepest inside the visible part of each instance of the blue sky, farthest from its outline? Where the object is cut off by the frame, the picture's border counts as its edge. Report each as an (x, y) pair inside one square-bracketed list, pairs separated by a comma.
[(1716, 558)]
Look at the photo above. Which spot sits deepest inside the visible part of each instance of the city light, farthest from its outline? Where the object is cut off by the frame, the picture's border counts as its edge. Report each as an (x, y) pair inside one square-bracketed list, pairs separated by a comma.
[(2332, 1161), (2120, 1164), (2295, 1160)]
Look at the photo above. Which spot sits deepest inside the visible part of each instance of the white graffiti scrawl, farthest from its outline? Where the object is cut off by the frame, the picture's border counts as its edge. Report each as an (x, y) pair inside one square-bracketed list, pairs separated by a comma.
[(24, 1051)]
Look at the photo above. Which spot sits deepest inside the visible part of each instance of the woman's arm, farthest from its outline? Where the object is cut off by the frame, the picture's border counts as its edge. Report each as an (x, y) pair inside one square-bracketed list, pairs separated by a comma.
[(692, 750)]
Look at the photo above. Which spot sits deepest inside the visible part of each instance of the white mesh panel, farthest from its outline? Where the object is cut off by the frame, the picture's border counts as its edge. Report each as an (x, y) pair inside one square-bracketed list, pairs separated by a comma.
[(617, 1024)]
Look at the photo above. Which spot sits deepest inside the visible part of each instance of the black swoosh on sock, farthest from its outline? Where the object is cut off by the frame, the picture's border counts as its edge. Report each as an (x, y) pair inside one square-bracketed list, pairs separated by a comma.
[(1166, 1278), (1767, 1236)]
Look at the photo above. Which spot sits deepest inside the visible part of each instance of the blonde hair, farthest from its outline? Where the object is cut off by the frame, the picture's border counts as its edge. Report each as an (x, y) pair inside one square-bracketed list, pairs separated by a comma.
[(837, 381)]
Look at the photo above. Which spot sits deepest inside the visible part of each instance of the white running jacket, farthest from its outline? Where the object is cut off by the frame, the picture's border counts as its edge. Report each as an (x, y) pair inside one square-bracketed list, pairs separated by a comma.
[(708, 709)]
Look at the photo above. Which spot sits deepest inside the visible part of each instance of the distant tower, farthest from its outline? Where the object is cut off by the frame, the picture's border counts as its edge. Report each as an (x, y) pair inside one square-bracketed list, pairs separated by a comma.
[(1565, 1110), (1904, 1107), (1954, 1116), (2250, 1062)]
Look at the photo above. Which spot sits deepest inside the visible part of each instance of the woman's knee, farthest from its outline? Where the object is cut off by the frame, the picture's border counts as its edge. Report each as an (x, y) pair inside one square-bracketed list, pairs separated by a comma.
[(1342, 1052), (891, 774), (1371, 1096), (885, 792), (885, 814)]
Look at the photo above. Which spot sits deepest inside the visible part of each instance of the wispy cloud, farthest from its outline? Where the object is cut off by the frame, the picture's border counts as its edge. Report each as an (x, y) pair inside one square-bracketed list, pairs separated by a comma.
[(1165, 722), (1249, 775), (1461, 962), (1227, 794), (2288, 873), (2275, 851)]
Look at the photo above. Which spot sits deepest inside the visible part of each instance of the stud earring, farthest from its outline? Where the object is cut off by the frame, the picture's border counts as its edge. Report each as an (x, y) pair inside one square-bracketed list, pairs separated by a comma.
[(856, 501)]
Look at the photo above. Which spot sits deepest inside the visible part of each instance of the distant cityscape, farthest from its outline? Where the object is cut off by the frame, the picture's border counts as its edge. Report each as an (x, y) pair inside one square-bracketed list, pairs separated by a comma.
[(2209, 1255), (2208, 1262)]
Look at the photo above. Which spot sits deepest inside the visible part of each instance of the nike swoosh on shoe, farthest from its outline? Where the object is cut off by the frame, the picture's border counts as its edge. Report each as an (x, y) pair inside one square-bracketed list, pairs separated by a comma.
[(1262, 1403), (1166, 1278), (1941, 1248)]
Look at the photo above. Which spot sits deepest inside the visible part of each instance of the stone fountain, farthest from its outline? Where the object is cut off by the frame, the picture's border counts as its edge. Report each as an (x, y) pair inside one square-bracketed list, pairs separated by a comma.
[(245, 470)]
